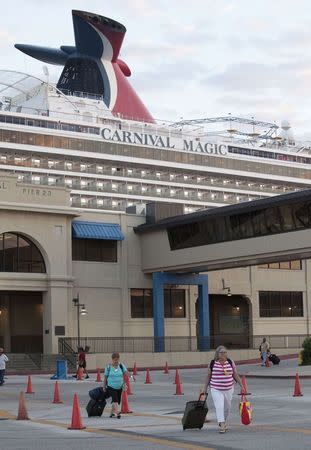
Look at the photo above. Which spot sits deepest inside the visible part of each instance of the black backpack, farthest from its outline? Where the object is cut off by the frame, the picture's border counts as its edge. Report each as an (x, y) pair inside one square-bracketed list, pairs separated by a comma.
[(213, 362)]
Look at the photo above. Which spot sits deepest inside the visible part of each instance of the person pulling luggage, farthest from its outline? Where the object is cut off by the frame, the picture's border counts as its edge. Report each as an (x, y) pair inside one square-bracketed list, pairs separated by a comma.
[(114, 383), (220, 377)]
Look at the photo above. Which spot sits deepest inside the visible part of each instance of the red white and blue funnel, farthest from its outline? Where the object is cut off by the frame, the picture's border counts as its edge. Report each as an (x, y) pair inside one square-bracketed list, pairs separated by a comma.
[(92, 66)]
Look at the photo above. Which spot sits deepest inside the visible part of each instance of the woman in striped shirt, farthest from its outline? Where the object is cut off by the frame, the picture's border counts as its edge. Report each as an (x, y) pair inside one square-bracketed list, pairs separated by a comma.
[(221, 375)]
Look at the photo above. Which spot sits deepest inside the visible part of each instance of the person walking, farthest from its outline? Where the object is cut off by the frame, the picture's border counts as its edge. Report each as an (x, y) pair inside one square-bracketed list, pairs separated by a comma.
[(3, 360), (114, 383), (264, 351), (220, 377), (82, 359)]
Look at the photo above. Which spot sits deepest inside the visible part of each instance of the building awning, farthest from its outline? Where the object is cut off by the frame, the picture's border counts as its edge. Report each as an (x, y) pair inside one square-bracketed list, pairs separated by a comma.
[(96, 230)]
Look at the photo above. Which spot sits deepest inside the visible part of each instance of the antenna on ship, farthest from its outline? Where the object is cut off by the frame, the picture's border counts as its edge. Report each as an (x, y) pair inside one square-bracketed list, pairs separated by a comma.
[(46, 73)]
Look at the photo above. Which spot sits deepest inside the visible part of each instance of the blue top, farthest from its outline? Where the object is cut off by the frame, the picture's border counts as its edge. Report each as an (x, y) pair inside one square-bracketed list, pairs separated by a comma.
[(114, 376)]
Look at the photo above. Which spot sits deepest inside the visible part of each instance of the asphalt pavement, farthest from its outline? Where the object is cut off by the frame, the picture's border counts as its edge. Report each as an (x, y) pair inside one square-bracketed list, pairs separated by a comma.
[(280, 421)]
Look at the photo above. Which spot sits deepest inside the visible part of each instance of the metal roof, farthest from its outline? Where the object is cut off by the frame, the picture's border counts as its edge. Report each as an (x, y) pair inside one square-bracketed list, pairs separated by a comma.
[(96, 230)]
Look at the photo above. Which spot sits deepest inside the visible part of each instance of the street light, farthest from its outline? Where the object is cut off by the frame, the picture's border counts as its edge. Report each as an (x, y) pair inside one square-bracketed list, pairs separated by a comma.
[(81, 309)]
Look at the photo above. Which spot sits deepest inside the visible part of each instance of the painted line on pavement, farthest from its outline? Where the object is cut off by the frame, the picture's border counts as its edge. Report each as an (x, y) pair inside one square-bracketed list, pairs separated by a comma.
[(130, 435)]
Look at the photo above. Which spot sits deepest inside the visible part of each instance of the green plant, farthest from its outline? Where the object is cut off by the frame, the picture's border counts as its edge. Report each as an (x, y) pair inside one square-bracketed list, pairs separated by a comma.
[(306, 352)]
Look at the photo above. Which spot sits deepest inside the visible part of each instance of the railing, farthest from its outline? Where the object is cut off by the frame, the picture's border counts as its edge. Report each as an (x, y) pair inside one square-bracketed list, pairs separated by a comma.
[(177, 343), (65, 349)]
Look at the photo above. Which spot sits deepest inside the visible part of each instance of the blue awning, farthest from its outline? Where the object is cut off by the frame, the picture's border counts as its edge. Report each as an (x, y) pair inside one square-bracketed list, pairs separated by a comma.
[(96, 230)]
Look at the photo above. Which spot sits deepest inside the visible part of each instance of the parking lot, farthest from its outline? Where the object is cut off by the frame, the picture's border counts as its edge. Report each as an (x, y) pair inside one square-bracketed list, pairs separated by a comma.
[(280, 421)]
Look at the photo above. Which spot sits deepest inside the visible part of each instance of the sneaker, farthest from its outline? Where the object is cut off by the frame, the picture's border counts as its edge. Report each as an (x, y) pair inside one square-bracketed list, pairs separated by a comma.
[(112, 415), (222, 428), (87, 376), (119, 416)]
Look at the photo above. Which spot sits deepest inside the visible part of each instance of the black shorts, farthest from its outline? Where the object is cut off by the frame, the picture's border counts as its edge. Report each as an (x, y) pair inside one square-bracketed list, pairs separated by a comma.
[(115, 394), (82, 364)]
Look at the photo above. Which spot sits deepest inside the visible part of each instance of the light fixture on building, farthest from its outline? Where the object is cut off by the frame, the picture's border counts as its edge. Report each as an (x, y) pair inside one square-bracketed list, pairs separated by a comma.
[(235, 308), (226, 288), (81, 309)]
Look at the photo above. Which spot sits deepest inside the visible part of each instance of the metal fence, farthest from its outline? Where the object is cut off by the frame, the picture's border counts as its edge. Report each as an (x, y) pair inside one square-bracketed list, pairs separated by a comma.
[(176, 343)]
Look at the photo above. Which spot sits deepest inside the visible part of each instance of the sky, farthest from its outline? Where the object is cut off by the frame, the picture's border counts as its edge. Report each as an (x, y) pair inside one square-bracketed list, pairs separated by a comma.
[(189, 59)]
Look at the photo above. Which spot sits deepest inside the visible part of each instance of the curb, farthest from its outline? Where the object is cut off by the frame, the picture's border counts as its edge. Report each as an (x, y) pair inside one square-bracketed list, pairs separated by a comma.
[(190, 366)]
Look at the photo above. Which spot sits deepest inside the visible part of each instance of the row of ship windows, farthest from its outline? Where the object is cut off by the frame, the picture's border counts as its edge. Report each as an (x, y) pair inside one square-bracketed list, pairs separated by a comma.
[(38, 162), (270, 155), (151, 153), (118, 204), (59, 125), (137, 189)]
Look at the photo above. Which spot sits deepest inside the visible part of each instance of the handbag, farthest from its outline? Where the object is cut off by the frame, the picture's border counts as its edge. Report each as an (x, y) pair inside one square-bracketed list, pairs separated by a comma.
[(245, 410)]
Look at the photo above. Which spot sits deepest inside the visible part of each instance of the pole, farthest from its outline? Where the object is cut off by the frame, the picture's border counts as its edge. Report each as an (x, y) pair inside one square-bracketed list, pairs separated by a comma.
[(78, 319)]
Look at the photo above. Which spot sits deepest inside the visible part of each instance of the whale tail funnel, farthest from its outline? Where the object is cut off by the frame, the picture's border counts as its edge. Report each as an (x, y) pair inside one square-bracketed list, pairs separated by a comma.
[(92, 66)]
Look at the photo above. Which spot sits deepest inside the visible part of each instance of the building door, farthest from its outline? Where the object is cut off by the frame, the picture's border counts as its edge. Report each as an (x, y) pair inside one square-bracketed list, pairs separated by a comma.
[(21, 321), (230, 321)]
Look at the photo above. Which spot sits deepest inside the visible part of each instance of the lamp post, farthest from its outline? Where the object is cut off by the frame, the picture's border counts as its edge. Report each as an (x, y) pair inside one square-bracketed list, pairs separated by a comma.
[(81, 309)]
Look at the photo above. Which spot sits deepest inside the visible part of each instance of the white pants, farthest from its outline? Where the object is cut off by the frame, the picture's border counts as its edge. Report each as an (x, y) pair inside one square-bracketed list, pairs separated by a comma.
[(222, 401)]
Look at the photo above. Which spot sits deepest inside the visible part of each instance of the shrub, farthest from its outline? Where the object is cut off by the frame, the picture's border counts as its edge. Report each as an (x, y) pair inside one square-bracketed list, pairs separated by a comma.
[(306, 352)]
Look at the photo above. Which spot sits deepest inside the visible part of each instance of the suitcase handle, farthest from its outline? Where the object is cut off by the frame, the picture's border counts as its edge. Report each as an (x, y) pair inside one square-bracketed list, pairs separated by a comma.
[(205, 394)]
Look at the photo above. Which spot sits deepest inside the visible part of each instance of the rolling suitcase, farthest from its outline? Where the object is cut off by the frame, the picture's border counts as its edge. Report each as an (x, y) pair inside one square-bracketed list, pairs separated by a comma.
[(95, 408), (96, 405), (274, 359), (195, 413)]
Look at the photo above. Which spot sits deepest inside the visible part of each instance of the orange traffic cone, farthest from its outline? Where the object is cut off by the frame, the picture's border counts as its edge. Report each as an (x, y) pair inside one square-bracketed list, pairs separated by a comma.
[(128, 385), (245, 388), (125, 409), (166, 368), (177, 378), (135, 372), (267, 362), (56, 394), (179, 389), (98, 379), (29, 386), (297, 390), (148, 379), (22, 410), (76, 422), (80, 374)]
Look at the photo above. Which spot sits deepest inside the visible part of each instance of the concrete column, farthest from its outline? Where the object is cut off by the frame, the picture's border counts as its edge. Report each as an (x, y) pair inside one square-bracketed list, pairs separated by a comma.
[(55, 313), (158, 312), (203, 317), (6, 323)]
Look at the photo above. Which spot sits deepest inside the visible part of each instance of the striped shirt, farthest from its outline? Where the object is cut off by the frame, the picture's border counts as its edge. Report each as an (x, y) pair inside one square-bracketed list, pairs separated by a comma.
[(222, 376)]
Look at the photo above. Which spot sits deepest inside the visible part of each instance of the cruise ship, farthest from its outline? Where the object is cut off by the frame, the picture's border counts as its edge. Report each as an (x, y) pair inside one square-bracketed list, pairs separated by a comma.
[(91, 133)]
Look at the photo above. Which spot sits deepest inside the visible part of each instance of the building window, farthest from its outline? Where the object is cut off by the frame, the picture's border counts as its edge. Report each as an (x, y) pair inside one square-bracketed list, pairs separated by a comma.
[(141, 303), (19, 254), (174, 303), (285, 265), (280, 304), (94, 250), (215, 228)]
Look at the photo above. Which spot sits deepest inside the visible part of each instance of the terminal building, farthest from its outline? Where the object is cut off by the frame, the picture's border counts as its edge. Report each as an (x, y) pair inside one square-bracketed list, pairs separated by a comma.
[(83, 165)]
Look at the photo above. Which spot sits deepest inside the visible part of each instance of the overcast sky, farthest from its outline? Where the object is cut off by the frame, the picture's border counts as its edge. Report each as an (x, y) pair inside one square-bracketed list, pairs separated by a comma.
[(190, 59)]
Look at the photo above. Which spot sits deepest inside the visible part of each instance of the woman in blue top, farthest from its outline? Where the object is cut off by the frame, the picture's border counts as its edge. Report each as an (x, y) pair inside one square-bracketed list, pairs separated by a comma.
[(114, 382)]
